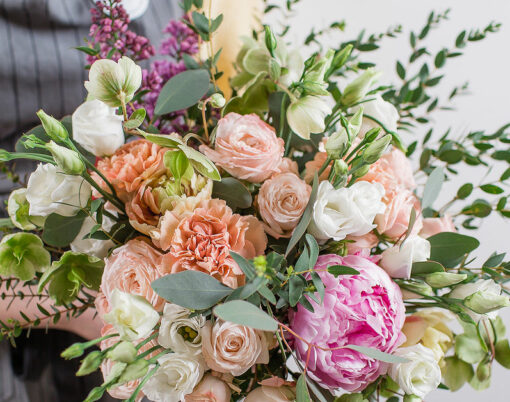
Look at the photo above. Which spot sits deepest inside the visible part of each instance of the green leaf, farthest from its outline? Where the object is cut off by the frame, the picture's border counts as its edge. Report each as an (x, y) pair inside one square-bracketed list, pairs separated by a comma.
[(505, 175), (494, 260), (182, 91), (168, 141), (465, 191), (426, 267), (448, 248), (377, 354), (432, 187), (136, 119), (503, 353), (491, 189), (233, 192), (60, 231), (87, 50), (296, 287), (319, 285), (200, 21), (313, 250), (456, 373), (401, 72), (201, 163), (305, 219), (468, 346), (302, 394), (440, 58), (342, 270), (244, 313), (177, 163), (245, 265), (191, 289)]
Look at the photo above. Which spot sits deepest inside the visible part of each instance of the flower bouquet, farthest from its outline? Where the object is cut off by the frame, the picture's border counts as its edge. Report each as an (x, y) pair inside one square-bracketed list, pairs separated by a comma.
[(262, 236)]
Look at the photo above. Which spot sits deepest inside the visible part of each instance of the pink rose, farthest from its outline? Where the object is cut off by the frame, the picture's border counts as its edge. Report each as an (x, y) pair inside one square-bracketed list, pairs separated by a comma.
[(246, 147), (130, 165), (365, 310), (288, 166), (392, 170), (281, 202), (360, 243), (131, 268), (232, 348), (123, 391), (432, 226), (394, 222), (210, 389), (271, 394), (203, 240)]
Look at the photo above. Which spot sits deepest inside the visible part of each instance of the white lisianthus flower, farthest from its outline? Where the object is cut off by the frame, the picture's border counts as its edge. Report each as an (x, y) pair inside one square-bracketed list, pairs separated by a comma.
[(398, 260), (178, 332), (345, 211), (97, 128), (484, 296), (420, 375), (113, 82), (49, 190), (379, 109), (95, 247), (18, 207), (306, 115), (176, 377), (132, 316)]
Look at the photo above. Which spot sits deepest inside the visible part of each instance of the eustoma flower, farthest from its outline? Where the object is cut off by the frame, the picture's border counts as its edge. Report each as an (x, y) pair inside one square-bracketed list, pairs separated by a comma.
[(364, 310)]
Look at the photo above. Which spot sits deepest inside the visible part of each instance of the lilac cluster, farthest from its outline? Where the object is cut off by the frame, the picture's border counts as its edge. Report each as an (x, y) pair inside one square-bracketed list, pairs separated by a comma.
[(111, 36), (181, 40)]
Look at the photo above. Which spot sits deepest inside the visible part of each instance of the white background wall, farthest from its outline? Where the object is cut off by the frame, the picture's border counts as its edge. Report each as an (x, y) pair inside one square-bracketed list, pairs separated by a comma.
[(486, 65)]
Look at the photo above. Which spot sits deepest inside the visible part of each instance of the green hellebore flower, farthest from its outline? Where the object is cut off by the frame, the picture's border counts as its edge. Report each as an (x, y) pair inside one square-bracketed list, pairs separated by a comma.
[(18, 210), (357, 89), (22, 255), (337, 144), (306, 115), (484, 302)]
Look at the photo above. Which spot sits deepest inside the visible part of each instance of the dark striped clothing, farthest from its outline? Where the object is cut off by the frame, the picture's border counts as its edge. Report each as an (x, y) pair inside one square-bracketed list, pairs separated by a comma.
[(40, 69)]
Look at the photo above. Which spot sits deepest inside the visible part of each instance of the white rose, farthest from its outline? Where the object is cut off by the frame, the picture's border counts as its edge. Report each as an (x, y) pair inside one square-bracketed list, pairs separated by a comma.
[(398, 261), (176, 377), (381, 110), (420, 375), (345, 211), (178, 332), (97, 128), (485, 288), (97, 248), (49, 190), (132, 316)]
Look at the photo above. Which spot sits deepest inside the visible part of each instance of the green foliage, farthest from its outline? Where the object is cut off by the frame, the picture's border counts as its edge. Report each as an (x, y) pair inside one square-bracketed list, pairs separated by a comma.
[(449, 248), (60, 231), (233, 192), (244, 313), (302, 394), (22, 255)]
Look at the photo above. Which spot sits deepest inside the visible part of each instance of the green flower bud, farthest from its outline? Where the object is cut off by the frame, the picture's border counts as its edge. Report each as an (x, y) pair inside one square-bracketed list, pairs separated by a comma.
[(340, 170), (374, 151), (115, 372), (355, 123), (114, 83), (360, 172), (18, 209), (5, 156), (217, 100), (484, 302), (357, 89), (306, 115), (443, 279), (67, 159), (134, 370), (91, 363), (123, 352), (95, 394), (260, 264), (337, 144), (418, 288), (54, 128), (22, 255), (73, 351), (270, 39), (319, 68)]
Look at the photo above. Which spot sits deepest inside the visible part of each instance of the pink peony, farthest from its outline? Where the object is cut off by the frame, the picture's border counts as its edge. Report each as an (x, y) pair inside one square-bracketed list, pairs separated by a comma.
[(282, 201), (131, 268), (365, 310), (202, 241), (432, 226), (246, 147), (130, 165)]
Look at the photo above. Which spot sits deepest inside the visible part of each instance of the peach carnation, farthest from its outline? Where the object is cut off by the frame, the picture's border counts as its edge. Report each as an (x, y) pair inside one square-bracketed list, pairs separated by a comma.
[(281, 202), (246, 147), (131, 268), (130, 165), (203, 240)]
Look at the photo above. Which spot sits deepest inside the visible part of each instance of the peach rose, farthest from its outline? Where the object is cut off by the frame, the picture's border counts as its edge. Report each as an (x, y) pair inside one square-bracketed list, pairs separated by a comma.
[(246, 147), (432, 226), (210, 389), (123, 391), (271, 394), (281, 202), (131, 268), (288, 166), (203, 240), (392, 170), (395, 219), (232, 348), (360, 243), (130, 165), (314, 166)]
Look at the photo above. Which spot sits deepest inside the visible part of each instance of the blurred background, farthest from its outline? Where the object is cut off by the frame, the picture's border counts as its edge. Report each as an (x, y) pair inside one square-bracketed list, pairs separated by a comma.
[(485, 65)]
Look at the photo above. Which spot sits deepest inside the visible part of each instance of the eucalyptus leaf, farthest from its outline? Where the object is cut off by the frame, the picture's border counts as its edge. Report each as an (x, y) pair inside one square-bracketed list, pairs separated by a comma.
[(233, 192), (302, 394), (60, 231), (448, 248), (426, 267), (342, 270), (432, 187), (377, 354), (244, 313)]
